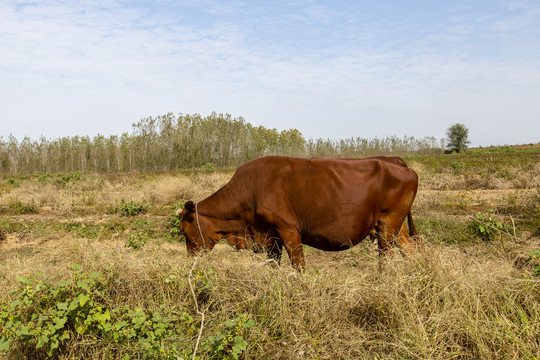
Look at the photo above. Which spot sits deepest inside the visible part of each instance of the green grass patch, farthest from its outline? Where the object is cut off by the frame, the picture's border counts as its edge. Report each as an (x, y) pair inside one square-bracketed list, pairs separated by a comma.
[(19, 207), (447, 230), (82, 230)]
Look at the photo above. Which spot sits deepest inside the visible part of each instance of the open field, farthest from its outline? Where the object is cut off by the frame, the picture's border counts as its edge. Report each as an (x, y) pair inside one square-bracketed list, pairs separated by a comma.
[(90, 267)]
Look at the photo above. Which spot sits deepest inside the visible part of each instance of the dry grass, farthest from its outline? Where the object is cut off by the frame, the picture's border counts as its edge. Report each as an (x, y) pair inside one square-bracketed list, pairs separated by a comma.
[(445, 304), (101, 194)]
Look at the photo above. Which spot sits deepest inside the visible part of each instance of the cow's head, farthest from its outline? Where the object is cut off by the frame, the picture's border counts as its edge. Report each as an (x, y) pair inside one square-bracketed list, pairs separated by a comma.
[(193, 229)]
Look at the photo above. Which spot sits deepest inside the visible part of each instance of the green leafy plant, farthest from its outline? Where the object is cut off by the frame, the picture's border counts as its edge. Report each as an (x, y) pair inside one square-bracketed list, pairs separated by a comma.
[(229, 343), (208, 167), (130, 208), (13, 182), (456, 165), (45, 318), (83, 230), (63, 179), (534, 260), (486, 225), (174, 225), (137, 240), (43, 177), (23, 208)]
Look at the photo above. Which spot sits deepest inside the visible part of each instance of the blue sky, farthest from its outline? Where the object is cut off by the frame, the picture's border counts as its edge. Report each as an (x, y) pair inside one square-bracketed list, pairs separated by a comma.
[(332, 69)]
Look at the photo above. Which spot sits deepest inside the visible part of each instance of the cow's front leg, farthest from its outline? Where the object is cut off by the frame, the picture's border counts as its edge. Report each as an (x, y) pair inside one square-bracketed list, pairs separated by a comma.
[(293, 244)]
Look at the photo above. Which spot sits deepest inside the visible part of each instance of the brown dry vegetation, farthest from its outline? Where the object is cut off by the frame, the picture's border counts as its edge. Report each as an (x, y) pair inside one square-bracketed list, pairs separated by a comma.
[(462, 298)]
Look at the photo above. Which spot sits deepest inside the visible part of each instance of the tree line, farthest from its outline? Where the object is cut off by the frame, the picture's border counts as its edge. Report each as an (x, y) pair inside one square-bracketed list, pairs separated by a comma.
[(171, 142)]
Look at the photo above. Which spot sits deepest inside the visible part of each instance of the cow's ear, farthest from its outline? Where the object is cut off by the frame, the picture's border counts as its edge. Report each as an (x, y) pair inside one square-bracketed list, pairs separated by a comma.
[(188, 211), (189, 207)]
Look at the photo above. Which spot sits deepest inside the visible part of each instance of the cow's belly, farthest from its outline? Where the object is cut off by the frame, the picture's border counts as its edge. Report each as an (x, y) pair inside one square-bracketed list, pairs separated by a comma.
[(339, 234), (333, 242)]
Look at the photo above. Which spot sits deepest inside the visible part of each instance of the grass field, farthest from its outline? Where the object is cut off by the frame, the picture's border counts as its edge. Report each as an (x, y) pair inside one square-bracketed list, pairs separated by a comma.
[(90, 267)]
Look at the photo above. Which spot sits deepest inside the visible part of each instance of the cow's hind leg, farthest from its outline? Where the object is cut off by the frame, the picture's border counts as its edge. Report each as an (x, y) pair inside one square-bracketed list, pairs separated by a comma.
[(405, 243)]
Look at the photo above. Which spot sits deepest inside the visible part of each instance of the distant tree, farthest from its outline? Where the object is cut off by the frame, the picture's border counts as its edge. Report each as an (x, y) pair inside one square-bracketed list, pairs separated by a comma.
[(458, 137)]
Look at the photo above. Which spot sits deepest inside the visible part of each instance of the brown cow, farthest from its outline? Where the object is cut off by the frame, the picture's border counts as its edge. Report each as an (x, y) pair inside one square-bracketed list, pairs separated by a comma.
[(329, 204)]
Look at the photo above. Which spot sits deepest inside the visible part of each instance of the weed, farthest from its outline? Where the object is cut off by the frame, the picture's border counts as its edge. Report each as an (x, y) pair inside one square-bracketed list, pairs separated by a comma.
[(88, 199), (486, 225), (13, 182), (83, 230), (505, 174), (130, 208), (205, 284), (63, 179), (10, 225), (149, 227), (173, 224), (534, 260), (23, 208), (137, 240), (229, 343), (208, 167), (115, 226), (456, 165), (43, 177), (45, 319)]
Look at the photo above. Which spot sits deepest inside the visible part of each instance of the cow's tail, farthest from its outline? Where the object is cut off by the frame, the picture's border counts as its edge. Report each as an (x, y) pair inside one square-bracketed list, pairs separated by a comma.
[(412, 228)]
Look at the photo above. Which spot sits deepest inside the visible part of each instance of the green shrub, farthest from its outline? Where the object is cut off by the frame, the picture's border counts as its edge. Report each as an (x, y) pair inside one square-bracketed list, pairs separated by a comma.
[(63, 179), (137, 240), (83, 230), (43, 177), (208, 167), (13, 182), (229, 343), (45, 319), (456, 165), (130, 208), (174, 225), (486, 226), (23, 208)]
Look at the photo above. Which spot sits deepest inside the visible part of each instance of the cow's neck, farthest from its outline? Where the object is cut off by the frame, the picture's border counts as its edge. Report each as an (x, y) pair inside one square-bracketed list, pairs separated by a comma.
[(221, 206)]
